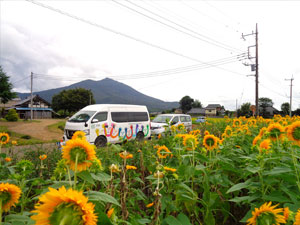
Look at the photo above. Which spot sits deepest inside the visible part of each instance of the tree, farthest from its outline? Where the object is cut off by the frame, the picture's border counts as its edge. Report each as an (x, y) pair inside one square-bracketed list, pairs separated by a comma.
[(263, 103), (197, 104), (12, 115), (186, 103), (285, 108), (6, 93), (72, 100), (245, 109)]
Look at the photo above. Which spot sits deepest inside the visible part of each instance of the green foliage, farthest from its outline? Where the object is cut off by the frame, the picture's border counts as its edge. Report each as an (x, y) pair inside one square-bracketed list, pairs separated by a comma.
[(245, 110), (197, 104), (6, 93), (285, 108), (12, 115), (186, 103), (72, 100)]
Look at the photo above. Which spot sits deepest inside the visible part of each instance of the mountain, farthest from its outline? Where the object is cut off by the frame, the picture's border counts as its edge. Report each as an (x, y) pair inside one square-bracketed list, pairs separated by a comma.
[(108, 91)]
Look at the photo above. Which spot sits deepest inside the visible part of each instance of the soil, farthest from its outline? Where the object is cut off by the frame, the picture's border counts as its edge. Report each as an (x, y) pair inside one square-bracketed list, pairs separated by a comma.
[(38, 130)]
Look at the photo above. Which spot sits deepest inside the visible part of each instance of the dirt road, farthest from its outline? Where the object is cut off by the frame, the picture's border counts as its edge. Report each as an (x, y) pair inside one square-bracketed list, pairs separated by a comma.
[(37, 130)]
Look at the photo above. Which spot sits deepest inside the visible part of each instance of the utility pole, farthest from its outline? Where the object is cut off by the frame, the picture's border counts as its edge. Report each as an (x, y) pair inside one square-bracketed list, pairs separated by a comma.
[(291, 92), (31, 100), (254, 66)]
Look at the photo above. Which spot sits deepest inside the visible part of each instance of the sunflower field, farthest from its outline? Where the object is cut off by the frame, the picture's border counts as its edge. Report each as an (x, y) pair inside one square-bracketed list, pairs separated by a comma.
[(227, 171)]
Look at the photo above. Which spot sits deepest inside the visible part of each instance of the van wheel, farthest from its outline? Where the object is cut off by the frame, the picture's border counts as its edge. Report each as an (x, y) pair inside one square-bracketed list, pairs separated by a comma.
[(101, 141), (140, 136)]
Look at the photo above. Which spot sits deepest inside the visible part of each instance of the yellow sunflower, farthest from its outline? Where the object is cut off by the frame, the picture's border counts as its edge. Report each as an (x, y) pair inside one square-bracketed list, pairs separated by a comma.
[(7, 159), (9, 195), (190, 142), (64, 207), (210, 142), (206, 132), (286, 213), (128, 167), (236, 122), (43, 157), (297, 218), (79, 134), (4, 138), (180, 126), (150, 205), (255, 140), (267, 213), (80, 149), (265, 145), (293, 132), (125, 155), (276, 131), (262, 131), (195, 132), (170, 169), (228, 131), (163, 152), (110, 212)]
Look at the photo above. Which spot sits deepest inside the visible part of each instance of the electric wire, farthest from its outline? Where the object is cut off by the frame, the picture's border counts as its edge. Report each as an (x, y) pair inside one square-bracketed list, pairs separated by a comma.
[(210, 41), (125, 35)]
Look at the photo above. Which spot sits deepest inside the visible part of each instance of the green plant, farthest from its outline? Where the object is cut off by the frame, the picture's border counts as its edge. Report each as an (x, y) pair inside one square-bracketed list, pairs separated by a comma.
[(12, 115)]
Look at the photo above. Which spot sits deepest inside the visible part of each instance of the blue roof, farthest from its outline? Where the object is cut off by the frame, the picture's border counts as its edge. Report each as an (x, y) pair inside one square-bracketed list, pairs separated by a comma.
[(35, 109)]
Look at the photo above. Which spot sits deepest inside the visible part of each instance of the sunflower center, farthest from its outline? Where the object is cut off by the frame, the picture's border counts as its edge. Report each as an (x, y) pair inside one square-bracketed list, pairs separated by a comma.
[(275, 133), (266, 218), (67, 214), (5, 197), (210, 142), (3, 138), (79, 152), (296, 133)]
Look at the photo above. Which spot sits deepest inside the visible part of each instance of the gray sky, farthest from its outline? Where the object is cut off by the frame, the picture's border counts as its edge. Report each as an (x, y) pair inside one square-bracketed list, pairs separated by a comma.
[(165, 49)]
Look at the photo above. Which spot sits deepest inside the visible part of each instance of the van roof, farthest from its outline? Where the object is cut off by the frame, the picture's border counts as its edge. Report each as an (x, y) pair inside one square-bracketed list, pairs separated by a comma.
[(173, 114), (97, 107)]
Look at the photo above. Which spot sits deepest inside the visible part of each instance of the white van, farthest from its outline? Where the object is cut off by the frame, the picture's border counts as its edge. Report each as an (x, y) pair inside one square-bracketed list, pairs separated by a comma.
[(113, 123), (159, 123)]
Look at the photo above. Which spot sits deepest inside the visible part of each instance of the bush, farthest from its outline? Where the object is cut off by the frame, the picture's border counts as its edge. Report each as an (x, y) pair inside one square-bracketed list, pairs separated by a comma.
[(26, 137), (12, 115)]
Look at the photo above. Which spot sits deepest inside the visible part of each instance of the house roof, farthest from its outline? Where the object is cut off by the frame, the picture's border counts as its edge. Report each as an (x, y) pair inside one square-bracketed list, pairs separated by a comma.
[(196, 111), (10, 103), (213, 106), (28, 99)]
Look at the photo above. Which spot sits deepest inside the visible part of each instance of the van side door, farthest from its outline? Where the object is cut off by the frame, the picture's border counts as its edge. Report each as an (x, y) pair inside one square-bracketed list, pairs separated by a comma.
[(97, 125)]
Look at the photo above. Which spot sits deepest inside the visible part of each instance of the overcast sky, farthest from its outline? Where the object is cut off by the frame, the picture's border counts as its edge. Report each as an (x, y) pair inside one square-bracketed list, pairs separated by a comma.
[(165, 49)]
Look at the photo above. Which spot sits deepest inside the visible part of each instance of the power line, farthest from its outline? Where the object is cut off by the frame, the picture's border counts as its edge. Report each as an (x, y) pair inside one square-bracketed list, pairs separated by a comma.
[(154, 73), (212, 41), (20, 80)]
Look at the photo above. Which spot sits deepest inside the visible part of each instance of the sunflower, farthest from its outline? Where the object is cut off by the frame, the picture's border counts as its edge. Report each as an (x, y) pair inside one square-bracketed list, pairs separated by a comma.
[(165, 152), (128, 167), (267, 214), (79, 134), (293, 132), (236, 123), (180, 126), (14, 142), (210, 142), (275, 131), (297, 218), (190, 142), (125, 155), (195, 132), (150, 205), (110, 212), (265, 145), (80, 149), (206, 132), (170, 169), (262, 131), (255, 140), (43, 157), (228, 131), (9, 195), (286, 213), (64, 207), (114, 168), (7, 159), (4, 138)]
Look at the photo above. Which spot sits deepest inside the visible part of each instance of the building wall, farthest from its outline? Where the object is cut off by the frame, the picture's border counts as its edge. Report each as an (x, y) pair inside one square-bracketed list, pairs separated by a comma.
[(36, 114), (210, 112)]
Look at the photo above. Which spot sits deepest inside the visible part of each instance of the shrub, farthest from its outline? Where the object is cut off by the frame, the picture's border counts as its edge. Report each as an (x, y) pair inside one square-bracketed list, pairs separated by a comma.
[(12, 115), (26, 137)]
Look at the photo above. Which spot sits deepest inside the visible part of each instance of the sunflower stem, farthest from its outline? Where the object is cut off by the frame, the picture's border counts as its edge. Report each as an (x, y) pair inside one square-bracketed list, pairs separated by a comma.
[(75, 172), (69, 175), (0, 208)]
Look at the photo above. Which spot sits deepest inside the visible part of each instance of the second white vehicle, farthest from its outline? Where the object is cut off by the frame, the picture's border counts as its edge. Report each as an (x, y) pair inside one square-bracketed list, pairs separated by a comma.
[(161, 121)]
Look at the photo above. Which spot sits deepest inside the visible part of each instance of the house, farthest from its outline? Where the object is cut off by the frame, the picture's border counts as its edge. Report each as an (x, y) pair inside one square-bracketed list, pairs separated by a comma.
[(268, 111), (40, 108), (194, 112), (214, 110)]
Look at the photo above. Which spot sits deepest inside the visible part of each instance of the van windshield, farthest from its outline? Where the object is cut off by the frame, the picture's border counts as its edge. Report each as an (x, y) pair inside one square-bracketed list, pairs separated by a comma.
[(82, 116), (162, 119)]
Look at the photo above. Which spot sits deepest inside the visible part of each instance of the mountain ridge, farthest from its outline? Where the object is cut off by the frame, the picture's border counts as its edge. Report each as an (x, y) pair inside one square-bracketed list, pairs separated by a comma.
[(109, 91)]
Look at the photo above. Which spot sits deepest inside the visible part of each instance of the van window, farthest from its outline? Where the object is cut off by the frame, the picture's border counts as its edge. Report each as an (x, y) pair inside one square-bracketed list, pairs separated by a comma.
[(137, 116), (81, 116), (188, 119), (123, 117), (101, 116), (183, 119), (175, 120), (119, 117)]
